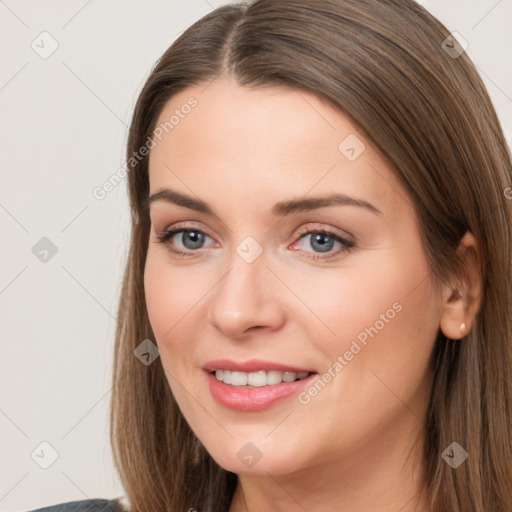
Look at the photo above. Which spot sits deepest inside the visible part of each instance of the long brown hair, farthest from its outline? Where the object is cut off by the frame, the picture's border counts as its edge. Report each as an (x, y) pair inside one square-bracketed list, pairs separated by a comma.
[(385, 65)]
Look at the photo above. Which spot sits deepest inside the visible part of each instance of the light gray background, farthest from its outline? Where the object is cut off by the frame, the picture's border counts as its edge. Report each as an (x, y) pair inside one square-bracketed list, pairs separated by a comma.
[(63, 129)]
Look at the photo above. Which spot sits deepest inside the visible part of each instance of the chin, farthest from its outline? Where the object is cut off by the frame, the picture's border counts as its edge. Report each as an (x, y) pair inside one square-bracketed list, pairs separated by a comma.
[(249, 458)]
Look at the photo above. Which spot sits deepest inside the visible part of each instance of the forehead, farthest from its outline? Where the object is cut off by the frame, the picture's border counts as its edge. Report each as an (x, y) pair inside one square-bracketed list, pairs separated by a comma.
[(272, 119), (266, 142)]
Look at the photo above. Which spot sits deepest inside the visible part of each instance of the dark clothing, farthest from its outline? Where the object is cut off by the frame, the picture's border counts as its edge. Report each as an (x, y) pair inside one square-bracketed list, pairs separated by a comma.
[(95, 505)]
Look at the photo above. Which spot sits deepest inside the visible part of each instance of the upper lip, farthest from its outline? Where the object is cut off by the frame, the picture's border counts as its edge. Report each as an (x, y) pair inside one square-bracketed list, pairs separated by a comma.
[(253, 365)]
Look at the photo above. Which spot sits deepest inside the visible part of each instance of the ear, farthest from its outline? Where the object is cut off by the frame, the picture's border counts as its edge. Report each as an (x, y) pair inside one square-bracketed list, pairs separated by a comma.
[(463, 297)]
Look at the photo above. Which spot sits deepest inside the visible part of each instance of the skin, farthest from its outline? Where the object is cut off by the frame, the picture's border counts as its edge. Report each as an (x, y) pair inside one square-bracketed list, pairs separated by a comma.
[(352, 446)]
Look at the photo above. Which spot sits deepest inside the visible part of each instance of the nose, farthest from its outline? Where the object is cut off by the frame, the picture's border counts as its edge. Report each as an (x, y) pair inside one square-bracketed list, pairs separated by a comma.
[(247, 299)]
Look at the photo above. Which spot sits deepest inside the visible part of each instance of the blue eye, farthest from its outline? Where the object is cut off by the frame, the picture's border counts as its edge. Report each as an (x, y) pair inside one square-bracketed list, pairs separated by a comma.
[(191, 239), (321, 241)]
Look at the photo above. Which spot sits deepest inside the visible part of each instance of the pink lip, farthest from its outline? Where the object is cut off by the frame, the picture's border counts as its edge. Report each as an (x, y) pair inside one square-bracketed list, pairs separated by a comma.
[(248, 398), (253, 365)]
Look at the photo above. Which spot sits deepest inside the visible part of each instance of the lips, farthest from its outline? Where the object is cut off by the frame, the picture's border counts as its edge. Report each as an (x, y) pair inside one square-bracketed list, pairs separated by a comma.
[(253, 365), (241, 395)]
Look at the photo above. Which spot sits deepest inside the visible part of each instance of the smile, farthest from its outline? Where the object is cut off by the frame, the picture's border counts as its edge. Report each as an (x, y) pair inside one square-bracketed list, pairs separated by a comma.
[(258, 379)]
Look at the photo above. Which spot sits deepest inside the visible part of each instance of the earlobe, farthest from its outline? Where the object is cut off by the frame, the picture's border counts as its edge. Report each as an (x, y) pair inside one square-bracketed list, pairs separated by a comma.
[(462, 301), (454, 322)]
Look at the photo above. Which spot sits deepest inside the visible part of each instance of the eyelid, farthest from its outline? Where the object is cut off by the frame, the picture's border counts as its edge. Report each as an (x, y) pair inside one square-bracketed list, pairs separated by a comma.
[(315, 227), (172, 230), (306, 228), (187, 226), (347, 243)]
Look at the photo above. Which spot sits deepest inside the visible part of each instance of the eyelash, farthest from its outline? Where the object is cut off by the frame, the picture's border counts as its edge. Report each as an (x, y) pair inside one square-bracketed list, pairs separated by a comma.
[(347, 245)]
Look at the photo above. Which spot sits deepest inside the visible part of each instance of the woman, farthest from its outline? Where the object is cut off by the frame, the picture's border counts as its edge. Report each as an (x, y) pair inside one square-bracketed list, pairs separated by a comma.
[(316, 310)]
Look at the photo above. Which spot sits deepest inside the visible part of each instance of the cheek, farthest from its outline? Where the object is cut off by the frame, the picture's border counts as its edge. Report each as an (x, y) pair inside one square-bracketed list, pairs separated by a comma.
[(355, 299), (172, 300), (171, 297), (385, 323)]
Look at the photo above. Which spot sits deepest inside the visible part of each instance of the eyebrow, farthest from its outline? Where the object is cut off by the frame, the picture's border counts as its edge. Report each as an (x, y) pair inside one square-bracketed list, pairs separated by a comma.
[(279, 209)]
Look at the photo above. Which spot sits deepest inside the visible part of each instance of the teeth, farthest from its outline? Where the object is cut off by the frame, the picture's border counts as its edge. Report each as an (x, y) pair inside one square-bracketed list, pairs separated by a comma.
[(289, 376), (274, 378), (258, 379), (238, 379)]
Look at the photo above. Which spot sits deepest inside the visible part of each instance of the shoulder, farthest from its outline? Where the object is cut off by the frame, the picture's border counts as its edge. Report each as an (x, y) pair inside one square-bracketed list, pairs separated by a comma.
[(95, 505)]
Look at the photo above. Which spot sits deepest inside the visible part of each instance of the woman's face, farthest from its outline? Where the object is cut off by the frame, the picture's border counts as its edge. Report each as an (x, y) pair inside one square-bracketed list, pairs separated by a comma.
[(302, 257)]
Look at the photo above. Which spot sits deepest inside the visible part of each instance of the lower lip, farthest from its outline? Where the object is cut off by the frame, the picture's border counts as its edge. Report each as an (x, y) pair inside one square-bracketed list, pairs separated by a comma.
[(242, 398)]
